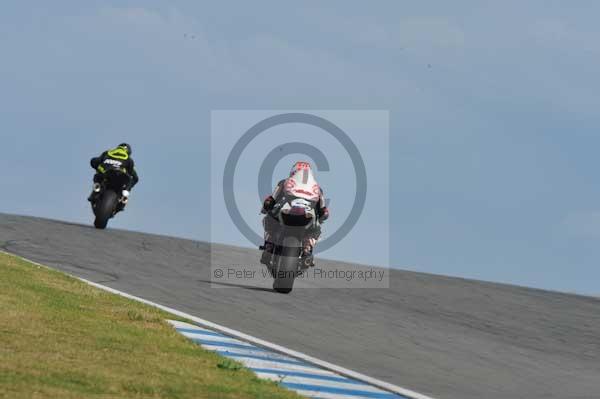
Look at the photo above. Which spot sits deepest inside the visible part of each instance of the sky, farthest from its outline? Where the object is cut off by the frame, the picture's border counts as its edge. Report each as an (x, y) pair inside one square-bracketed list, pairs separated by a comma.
[(493, 117)]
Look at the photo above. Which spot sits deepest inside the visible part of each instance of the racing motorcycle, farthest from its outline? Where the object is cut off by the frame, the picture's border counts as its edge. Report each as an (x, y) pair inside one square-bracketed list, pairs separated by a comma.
[(110, 196), (285, 261)]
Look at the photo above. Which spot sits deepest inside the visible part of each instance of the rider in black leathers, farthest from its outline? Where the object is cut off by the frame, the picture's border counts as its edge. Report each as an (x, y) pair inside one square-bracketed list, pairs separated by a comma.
[(119, 156)]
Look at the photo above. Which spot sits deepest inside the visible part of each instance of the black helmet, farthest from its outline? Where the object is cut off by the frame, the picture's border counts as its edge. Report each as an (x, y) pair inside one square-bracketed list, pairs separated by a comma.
[(126, 147)]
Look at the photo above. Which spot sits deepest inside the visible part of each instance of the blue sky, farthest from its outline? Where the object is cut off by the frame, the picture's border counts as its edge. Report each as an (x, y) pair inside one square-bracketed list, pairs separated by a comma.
[(493, 113)]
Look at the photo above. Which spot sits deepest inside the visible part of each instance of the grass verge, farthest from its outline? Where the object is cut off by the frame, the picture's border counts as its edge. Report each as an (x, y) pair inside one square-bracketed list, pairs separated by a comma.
[(61, 338)]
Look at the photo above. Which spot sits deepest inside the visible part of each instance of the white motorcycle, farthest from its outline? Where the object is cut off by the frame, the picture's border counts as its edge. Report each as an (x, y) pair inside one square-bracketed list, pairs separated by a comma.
[(285, 259)]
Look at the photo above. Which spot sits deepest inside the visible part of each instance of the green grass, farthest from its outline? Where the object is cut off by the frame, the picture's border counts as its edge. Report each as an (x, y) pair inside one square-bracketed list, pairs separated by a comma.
[(61, 338)]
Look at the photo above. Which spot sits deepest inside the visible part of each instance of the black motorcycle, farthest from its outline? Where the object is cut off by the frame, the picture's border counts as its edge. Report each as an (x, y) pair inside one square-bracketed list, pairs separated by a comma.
[(110, 196), (285, 261)]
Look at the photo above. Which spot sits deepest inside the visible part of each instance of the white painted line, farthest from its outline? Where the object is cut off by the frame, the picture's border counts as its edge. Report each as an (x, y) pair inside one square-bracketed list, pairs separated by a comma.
[(334, 384), (268, 355), (262, 364), (181, 324), (325, 395), (209, 338), (216, 348), (266, 358), (310, 376), (256, 341)]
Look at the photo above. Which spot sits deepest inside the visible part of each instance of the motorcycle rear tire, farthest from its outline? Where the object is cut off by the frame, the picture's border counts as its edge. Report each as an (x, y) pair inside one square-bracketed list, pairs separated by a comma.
[(286, 275), (105, 208)]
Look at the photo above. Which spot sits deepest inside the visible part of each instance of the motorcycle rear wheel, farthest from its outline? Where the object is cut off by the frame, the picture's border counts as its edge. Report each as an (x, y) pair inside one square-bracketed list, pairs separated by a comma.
[(286, 274), (105, 208)]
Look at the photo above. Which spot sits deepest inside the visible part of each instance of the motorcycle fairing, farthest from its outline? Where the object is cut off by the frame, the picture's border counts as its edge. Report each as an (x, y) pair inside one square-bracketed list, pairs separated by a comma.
[(302, 183)]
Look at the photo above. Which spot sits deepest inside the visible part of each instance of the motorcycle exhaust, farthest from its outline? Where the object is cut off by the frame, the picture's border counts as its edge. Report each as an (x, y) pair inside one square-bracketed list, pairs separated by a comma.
[(124, 197)]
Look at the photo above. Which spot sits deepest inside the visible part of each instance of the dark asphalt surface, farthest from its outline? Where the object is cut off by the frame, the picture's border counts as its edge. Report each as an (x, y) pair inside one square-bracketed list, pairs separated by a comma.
[(446, 337)]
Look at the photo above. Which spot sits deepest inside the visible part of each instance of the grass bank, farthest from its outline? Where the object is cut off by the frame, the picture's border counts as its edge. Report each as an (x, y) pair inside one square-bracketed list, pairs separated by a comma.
[(61, 338)]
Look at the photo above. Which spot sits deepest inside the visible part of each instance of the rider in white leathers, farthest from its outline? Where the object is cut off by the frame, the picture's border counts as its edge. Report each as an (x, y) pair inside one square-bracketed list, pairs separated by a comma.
[(300, 184)]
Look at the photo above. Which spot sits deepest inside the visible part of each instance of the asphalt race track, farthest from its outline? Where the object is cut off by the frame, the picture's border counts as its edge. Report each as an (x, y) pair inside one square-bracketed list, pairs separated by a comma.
[(445, 337)]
